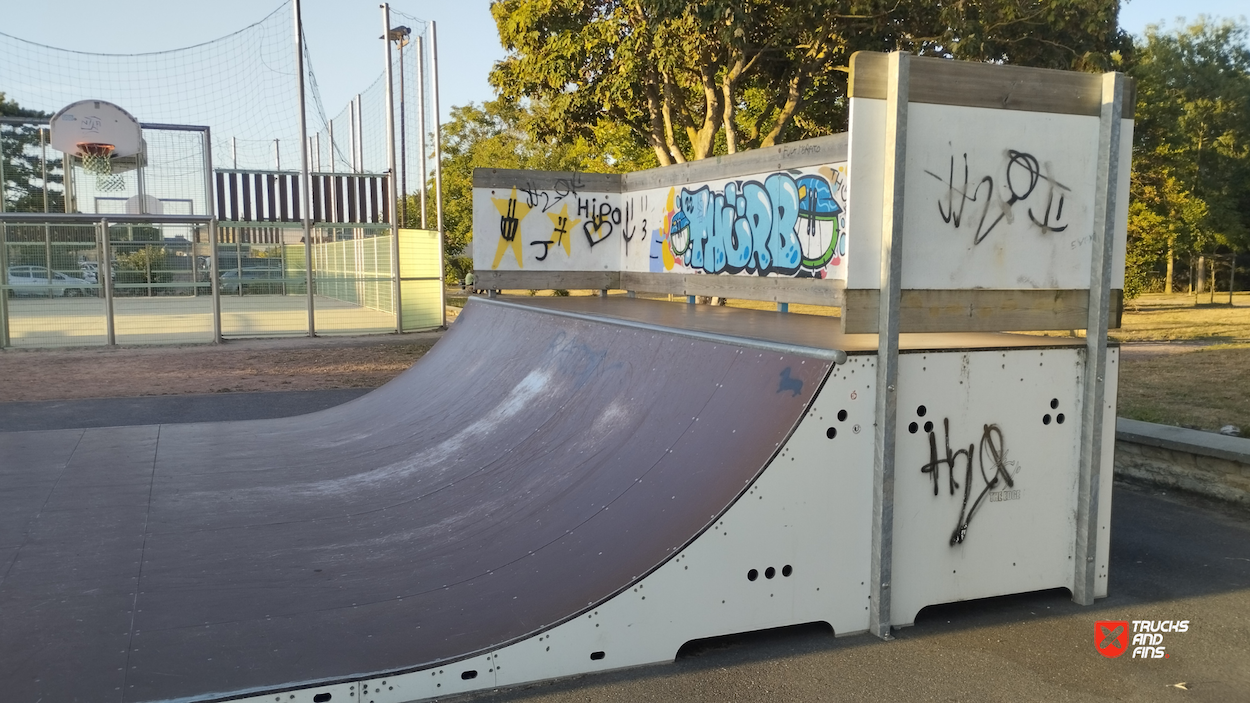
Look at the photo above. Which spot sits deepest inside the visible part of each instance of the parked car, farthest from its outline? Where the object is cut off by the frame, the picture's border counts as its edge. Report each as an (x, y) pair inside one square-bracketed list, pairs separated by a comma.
[(254, 280), (32, 281), (91, 271)]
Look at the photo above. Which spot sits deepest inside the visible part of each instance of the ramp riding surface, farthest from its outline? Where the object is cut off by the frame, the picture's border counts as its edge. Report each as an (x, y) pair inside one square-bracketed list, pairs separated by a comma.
[(527, 468)]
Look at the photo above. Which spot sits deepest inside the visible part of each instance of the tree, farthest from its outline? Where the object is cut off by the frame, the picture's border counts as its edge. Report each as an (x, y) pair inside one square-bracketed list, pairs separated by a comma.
[(23, 183), (1191, 170), (689, 80)]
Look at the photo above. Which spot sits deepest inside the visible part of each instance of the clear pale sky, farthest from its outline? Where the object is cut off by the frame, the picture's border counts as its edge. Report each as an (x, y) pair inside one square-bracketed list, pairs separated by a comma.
[(343, 34)]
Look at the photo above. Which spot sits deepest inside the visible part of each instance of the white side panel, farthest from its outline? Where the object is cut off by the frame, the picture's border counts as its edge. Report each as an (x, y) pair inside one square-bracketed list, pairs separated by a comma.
[(865, 158), (998, 198), (1018, 537), (557, 230), (1107, 476), (472, 674)]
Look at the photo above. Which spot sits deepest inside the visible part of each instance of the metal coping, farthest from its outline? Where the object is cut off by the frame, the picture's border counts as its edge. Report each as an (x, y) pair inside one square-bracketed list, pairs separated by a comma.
[(837, 356)]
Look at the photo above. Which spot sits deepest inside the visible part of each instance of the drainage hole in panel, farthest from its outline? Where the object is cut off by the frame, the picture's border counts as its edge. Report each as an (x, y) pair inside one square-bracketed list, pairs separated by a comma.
[(1054, 403), (470, 674), (770, 572), (596, 656), (842, 416), (787, 570), (928, 426), (1046, 419), (1059, 418), (831, 432), (921, 410), (752, 575), (322, 697), (913, 428)]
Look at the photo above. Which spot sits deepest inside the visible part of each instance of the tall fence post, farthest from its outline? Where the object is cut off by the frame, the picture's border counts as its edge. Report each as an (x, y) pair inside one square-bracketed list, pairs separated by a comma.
[(305, 182), (390, 165), (438, 172)]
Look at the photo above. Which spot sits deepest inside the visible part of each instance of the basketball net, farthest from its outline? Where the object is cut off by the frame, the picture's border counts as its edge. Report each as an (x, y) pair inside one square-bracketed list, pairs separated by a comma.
[(98, 159)]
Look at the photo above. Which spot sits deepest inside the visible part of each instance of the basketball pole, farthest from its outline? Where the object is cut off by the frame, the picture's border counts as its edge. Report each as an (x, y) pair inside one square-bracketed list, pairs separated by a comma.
[(304, 180), (390, 164)]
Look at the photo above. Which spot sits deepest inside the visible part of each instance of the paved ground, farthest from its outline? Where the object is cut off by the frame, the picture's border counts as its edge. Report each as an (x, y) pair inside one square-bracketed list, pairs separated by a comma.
[(1173, 558)]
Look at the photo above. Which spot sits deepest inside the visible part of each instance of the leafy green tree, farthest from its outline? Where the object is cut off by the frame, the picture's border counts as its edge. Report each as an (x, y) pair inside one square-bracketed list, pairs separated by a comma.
[(1191, 170), (690, 80), (22, 172)]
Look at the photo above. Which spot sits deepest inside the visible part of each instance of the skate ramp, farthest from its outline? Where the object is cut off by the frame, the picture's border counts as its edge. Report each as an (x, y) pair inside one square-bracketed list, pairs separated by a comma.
[(530, 466)]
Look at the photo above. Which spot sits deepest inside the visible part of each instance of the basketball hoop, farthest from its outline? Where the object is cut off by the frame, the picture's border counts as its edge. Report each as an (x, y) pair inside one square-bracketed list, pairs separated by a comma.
[(98, 159)]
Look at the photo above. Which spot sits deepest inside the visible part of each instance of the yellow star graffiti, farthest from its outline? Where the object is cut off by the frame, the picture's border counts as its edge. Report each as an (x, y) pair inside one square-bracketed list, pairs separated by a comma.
[(562, 229), (511, 212)]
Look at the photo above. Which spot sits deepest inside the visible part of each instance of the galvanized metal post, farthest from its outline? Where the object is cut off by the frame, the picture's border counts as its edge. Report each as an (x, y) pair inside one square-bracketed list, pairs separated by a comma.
[(421, 122), (305, 183), (390, 165), (895, 161), (104, 275), (330, 128), (234, 151), (1094, 389)]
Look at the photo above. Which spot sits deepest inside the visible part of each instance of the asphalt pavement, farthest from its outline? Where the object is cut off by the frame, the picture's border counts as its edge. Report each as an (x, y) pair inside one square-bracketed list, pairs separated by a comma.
[(1173, 557)]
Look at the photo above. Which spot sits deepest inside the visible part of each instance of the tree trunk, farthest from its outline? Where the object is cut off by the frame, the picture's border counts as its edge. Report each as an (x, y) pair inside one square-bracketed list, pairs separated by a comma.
[(1167, 282), (1201, 278)]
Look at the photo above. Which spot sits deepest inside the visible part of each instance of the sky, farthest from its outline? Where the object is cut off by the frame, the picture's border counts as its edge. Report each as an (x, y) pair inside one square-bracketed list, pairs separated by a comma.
[(343, 35)]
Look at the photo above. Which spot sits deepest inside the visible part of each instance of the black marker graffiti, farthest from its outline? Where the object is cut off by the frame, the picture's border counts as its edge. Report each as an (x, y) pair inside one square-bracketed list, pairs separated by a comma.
[(601, 219), (1022, 175), (563, 188), (991, 453), (509, 224), (631, 229)]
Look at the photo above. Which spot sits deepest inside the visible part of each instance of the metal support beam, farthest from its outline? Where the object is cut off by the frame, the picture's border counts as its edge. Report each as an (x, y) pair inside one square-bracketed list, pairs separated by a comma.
[(895, 161), (1093, 391)]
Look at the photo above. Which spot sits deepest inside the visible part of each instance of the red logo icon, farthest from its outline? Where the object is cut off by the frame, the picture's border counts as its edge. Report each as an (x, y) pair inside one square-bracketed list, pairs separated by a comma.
[(1111, 637)]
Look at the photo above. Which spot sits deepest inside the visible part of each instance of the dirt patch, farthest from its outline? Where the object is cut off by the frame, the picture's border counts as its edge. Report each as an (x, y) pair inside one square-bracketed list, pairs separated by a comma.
[(295, 364)]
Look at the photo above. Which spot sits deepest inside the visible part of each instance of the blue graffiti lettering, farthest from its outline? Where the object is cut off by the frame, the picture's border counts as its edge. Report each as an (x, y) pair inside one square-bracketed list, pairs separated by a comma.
[(753, 227)]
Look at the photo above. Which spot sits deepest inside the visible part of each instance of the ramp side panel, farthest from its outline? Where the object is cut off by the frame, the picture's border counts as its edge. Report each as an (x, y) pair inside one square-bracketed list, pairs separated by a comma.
[(808, 510), (528, 467)]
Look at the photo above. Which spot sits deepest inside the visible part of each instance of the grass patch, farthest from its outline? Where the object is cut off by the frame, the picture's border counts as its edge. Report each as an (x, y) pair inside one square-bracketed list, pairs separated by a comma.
[(1203, 389), (1157, 317)]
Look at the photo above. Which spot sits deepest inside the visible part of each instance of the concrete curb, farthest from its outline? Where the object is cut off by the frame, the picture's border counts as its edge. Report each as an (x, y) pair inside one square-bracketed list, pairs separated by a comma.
[(1205, 463)]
